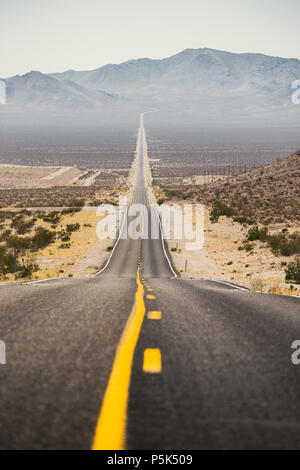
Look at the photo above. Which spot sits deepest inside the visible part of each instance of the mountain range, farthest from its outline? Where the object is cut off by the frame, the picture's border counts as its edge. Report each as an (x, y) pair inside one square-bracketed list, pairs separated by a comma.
[(200, 82)]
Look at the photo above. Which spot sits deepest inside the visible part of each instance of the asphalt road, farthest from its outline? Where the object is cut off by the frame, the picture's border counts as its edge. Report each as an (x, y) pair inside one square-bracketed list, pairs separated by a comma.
[(224, 377)]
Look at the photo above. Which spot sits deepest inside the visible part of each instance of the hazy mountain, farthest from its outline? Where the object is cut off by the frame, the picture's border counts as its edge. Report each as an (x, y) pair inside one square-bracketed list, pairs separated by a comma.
[(194, 70), (38, 90), (201, 84), (204, 84)]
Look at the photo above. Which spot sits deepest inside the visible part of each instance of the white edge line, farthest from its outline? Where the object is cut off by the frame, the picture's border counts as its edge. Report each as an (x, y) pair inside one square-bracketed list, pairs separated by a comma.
[(115, 246), (231, 285), (41, 280), (163, 245)]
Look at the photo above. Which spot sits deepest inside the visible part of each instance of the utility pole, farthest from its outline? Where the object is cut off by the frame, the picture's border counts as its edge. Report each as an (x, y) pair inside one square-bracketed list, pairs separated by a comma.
[(260, 267), (15, 262)]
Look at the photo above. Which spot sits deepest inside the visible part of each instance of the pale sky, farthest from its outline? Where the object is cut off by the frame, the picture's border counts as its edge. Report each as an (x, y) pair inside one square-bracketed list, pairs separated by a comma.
[(57, 35)]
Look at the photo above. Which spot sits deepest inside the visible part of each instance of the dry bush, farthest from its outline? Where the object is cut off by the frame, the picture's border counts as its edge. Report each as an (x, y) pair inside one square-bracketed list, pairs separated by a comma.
[(256, 285)]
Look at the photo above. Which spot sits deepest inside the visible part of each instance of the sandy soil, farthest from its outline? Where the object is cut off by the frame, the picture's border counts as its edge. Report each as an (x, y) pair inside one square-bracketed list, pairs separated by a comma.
[(17, 176), (18, 171)]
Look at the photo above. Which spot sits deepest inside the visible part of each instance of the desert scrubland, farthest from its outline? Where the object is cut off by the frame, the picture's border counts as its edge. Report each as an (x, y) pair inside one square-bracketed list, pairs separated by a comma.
[(252, 226), (48, 208), (247, 184)]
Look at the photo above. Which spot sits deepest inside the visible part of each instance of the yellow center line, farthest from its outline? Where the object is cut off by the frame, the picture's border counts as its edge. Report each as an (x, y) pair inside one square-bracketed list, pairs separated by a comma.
[(110, 431), (154, 315), (150, 296), (152, 361)]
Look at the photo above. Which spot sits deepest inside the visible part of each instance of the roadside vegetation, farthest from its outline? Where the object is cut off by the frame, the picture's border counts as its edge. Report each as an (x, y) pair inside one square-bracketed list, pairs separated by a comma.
[(265, 195), (30, 232), (263, 206), (292, 272)]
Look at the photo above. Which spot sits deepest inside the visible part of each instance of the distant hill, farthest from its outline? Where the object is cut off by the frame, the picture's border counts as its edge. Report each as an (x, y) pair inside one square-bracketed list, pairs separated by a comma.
[(38, 90), (267, 194), (193, 70), (204, 84)]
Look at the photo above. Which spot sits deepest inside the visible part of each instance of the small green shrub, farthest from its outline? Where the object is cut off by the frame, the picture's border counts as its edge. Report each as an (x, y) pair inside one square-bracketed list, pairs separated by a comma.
[(243, 220), (64, 236), (246, 246), (52, 217), (292, 272), (77, 203), (220, 209), (65, 246), (161, 201), (281, 245), (27, 270), (20, 243), (6, 262), (42, 238), (255, 233), (256, 285), (73, 227)]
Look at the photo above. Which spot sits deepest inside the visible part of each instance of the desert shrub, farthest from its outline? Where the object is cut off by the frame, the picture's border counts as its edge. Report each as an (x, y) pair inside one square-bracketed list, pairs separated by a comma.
[(6, 262), (292, 272), (64, 236), (72, 227), (220, 209), (95, 203), (22, 226), (20, 243), (27, 270), (52, 217), (161, 201), (256, 233), (42, 238), (26, 212), (4, 235), (77, 203), (109, 248), (243, 220), (65, 246), (110, 202), (281, 245), (246, 246), (70, 210), (256, 285), (170, 193)]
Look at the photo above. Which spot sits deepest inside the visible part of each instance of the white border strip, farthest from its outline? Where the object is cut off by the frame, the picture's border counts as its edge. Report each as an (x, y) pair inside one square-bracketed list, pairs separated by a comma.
[(163, 245), (41, 280), (229, 284), (115, 246)]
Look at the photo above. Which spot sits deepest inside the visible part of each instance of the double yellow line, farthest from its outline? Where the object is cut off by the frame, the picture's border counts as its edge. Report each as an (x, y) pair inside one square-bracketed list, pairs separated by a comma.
[(111, 426)]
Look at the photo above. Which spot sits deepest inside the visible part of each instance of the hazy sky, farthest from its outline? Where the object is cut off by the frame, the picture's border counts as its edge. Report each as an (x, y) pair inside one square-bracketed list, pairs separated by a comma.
[(56, 35)]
